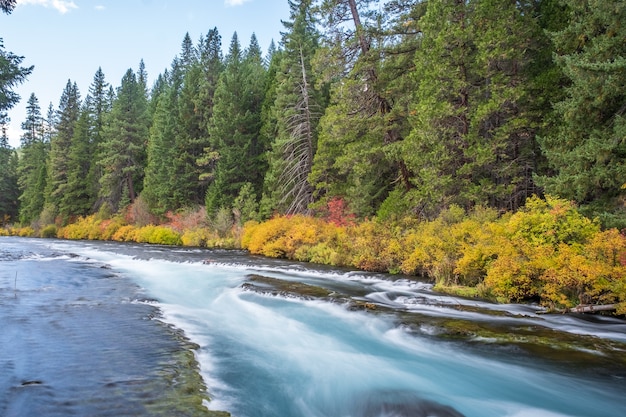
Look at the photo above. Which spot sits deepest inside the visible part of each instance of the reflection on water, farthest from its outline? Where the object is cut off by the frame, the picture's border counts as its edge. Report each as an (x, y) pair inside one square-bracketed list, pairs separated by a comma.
[(375, 346)]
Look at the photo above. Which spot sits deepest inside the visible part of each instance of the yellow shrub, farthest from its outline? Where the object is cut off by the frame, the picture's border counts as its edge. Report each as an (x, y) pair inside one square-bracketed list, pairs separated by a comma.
[(49, 231), (124, 234), (109, 227), (256, 237), (515, 274), (84, 228), (374, 246), (159, 235), (434, 252), (24, 232), (197, 237)]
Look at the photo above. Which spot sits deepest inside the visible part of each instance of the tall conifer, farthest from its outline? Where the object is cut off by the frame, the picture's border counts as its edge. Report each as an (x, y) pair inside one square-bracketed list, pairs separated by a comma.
[(60, 147), (122, 151), (32, 163), (588, 151)]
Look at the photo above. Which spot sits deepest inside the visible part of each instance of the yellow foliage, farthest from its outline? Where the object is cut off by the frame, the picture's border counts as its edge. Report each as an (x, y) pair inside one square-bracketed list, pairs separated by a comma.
[(287, 236), (159, 235), (124, 234), (375, 246), (84, 228), (24, 232), (197, 237)]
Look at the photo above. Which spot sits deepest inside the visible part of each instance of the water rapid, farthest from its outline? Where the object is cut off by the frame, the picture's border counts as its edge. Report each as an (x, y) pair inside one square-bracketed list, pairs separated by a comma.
[(374, 346)]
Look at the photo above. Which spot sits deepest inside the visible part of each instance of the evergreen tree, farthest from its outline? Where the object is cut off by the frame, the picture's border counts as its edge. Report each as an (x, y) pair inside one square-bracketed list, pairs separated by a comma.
[(11, 75), (8, 177), (159, 181), (269, 131), (7, 6), (298, 107), (587, 152), (472, 140), (98, 106), (122, 152), (212, 64), (79, 197), (234, 128), (60, 146), (32, 163), (367, 58)]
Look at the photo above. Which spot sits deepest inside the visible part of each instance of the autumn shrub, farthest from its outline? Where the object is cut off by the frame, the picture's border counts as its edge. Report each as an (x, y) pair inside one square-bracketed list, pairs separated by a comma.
[(198, 237), (293, 237), (83, 228), (50, 231), (551, 221), (540, 254), (124, 234), (138, 213), (187, 219), (160, 235), (592, 274), (435, 247), (24, 231), (109, 227), (374, 246), (260, 239), (222, 222)]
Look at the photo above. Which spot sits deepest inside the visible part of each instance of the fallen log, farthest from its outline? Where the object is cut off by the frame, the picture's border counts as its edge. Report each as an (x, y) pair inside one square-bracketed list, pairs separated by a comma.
[(582, 308), (590, 308)]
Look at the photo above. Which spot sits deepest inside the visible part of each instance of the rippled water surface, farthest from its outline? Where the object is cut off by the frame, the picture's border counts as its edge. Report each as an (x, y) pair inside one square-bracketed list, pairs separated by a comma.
[(283, 339)]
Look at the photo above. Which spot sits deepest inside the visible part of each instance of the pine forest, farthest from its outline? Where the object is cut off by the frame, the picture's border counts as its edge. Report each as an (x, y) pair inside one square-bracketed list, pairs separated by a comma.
[(479, 143)]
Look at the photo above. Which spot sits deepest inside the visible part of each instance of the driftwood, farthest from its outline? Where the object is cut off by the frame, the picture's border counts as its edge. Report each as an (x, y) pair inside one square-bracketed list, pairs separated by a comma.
[(583, 308), (590, 308)]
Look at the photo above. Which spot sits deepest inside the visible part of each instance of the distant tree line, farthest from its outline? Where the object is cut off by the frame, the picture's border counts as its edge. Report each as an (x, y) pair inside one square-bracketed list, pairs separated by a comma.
[(401, 110)]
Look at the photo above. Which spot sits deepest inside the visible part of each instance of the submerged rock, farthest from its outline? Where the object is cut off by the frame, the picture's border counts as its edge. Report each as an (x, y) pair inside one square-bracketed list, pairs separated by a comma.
[(401, 404)]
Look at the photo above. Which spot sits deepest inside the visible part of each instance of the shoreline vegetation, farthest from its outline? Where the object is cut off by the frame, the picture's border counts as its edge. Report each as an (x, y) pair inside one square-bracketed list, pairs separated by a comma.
[(546, 252)]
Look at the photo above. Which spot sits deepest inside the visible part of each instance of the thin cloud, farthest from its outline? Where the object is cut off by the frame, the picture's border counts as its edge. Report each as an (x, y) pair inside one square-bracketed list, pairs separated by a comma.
[(100, 7), (62, 6), (234, 2)]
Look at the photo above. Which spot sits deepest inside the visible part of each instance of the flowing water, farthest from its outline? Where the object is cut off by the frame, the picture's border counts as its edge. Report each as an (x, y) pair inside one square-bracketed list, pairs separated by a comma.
[(282, 339)]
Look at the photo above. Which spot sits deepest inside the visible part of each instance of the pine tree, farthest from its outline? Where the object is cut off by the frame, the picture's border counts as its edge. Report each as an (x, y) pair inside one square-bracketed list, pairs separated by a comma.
[(99, 105), (11, 75), (587, 152), (122, 152), (60, 146), (212, 62), (159, 181), (472, 140), (79, 197), (31, 169), (8, 177), (298, 107), (234, 128), (367, 58)]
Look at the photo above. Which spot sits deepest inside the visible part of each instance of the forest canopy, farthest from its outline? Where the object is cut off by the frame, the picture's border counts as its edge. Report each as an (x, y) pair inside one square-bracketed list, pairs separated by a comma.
[(400, 108)]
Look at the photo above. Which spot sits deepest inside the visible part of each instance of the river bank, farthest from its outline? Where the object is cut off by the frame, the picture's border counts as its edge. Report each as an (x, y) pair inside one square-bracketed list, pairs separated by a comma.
[(547, 252), (78, 340)]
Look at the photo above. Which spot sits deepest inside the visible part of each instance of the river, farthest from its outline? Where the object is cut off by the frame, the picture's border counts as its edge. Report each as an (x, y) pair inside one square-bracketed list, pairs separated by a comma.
[(90, 328)]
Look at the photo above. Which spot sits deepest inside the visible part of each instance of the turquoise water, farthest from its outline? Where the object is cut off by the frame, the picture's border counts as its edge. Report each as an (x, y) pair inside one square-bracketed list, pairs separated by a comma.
[(267, 355)]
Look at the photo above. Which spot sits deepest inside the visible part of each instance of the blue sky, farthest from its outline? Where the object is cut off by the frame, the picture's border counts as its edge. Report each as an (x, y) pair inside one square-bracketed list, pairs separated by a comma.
[(70, 39)]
